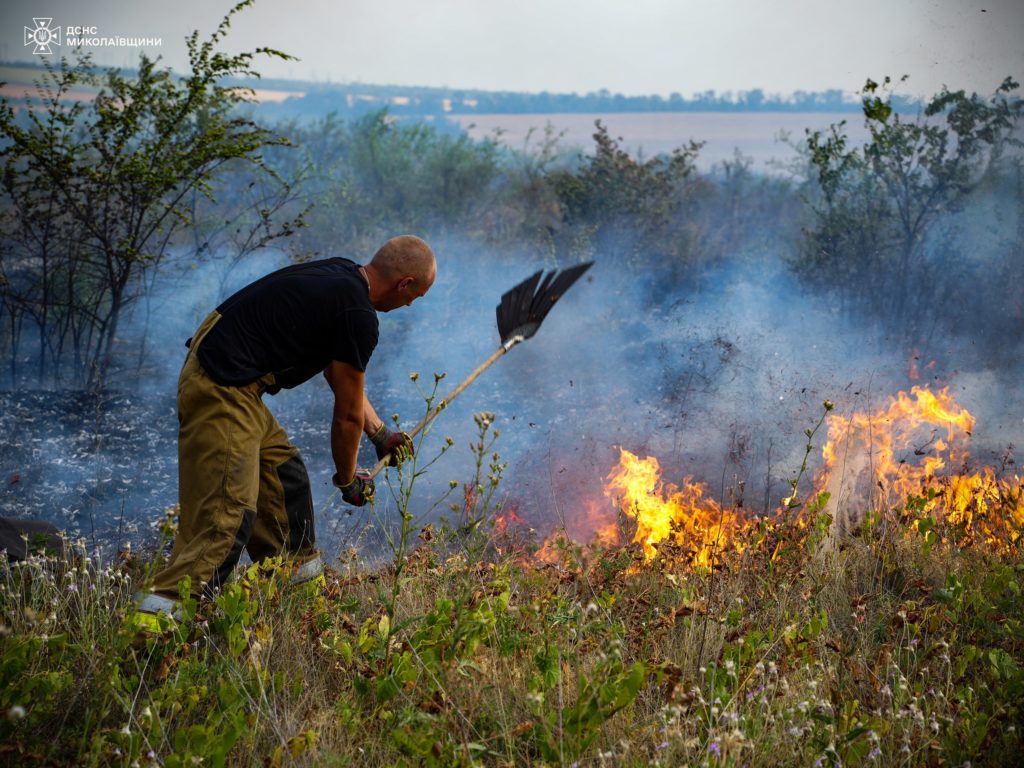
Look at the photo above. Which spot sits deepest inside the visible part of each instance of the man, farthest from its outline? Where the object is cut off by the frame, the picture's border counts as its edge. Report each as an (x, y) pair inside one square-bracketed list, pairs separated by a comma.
[(242, 484)]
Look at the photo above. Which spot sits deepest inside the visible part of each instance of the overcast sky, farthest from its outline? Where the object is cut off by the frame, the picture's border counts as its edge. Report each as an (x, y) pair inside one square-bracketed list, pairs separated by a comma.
[(626, 46)]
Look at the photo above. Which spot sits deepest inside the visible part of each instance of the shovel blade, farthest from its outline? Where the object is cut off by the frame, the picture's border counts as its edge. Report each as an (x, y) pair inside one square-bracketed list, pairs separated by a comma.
[(523, 308)]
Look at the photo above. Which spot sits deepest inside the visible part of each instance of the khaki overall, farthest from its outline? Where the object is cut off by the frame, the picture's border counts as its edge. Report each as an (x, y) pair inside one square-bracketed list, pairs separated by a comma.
[(242, 485)]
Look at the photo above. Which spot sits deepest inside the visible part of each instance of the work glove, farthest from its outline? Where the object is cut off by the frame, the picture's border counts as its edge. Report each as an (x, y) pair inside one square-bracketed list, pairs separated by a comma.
[(357, 491), (398, 444)]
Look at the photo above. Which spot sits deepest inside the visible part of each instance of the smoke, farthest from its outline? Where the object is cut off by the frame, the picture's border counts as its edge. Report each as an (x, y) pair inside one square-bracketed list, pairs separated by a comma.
[(719, 383)]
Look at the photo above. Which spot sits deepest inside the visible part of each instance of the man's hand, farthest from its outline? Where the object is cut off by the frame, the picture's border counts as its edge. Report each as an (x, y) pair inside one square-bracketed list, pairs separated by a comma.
[(397, 444), (356, 492)]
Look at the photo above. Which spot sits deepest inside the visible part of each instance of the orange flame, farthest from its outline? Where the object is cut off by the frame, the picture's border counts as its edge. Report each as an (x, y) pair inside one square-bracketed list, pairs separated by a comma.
[(911, 447), (664, 511), (505, 518)]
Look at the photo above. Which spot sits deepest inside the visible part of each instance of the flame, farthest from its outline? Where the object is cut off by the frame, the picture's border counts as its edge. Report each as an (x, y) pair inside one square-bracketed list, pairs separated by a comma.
[(597, 526), (913, 447), (665, 511), (504, 519)]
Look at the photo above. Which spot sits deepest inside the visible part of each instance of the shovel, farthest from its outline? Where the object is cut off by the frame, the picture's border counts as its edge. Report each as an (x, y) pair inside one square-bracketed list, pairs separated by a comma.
[(520, 313)]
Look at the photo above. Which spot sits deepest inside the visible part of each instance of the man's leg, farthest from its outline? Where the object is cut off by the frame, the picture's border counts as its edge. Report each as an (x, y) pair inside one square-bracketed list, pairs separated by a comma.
[(221, 429), (284, 510)]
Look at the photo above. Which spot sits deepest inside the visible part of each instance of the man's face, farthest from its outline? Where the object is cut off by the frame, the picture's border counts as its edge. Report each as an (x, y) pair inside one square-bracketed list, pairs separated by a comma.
[(406, 291)]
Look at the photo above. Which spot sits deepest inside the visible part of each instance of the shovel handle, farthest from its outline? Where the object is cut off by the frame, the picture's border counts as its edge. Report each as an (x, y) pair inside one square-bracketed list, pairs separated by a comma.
[(432, 413)]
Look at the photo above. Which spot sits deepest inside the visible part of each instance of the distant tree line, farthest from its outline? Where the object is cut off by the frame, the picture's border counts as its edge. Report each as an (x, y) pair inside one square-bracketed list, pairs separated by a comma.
[(356, 99), (410, 101), (104, 202)]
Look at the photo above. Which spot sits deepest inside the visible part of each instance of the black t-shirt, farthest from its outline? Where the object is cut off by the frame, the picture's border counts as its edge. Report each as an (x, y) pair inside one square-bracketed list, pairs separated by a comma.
[(292, 323)]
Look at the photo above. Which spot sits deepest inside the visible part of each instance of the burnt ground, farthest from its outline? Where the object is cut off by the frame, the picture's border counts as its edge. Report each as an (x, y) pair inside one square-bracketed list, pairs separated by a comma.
[(99, 466), (720, 387), (104, 466)]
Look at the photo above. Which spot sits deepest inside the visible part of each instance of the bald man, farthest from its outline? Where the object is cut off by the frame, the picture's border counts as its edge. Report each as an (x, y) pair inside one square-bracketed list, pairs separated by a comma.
[(242, 484)]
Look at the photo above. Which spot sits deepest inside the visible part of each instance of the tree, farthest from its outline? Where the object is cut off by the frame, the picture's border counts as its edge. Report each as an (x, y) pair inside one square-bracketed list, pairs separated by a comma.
[(375, 175), (96, 191), (621, 205), (878, 208)]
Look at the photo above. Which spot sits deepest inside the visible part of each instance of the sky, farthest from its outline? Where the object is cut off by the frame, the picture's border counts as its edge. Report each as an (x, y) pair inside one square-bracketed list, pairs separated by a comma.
[(636, 47)]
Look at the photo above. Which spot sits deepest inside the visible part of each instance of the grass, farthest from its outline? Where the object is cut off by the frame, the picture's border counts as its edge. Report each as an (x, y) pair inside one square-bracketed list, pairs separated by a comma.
[(900, 647)]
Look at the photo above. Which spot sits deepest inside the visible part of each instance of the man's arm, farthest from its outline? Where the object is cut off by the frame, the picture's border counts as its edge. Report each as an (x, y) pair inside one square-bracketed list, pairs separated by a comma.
[(371, 421), (396, 445), (348, 417)]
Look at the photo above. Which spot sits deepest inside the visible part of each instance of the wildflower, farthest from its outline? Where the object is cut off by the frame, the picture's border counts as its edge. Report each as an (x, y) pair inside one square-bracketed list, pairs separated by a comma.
[(714, 749), (661, 746), (17, 712), (72, 587), (874, 754)]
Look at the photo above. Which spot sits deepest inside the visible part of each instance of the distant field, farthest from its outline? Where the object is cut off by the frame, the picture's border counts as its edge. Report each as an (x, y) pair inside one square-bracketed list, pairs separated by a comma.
[(755, 134)]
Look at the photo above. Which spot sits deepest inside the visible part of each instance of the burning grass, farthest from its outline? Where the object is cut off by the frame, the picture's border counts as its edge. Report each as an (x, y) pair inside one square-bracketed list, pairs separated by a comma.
[(728, 640), (908, 458)]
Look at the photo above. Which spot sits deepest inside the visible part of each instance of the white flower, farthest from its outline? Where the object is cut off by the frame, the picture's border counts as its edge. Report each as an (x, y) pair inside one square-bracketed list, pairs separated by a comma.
[(17, 712)]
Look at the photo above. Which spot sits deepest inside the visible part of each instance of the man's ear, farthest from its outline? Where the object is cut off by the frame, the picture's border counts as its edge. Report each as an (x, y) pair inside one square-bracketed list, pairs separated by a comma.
[(405, 282)]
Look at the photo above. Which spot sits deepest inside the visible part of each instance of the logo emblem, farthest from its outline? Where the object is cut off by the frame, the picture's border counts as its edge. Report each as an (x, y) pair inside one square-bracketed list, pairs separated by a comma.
[(42, 36)]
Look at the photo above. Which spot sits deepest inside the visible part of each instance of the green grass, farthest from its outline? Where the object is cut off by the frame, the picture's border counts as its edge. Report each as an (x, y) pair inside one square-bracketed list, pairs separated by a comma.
[(903, 646), (888, 650)]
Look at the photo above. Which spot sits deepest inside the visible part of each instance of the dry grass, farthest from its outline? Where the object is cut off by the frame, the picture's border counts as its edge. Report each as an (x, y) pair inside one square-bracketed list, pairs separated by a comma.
[(889, 648)]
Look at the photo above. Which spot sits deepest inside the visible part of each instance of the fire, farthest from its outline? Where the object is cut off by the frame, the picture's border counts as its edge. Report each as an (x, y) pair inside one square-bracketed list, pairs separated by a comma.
[(596, 526), (663, 510), (915, 446), (505, 518)]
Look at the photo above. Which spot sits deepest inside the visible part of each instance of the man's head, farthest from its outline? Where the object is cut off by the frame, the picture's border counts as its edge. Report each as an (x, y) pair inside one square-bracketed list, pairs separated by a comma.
[(401, 271)]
